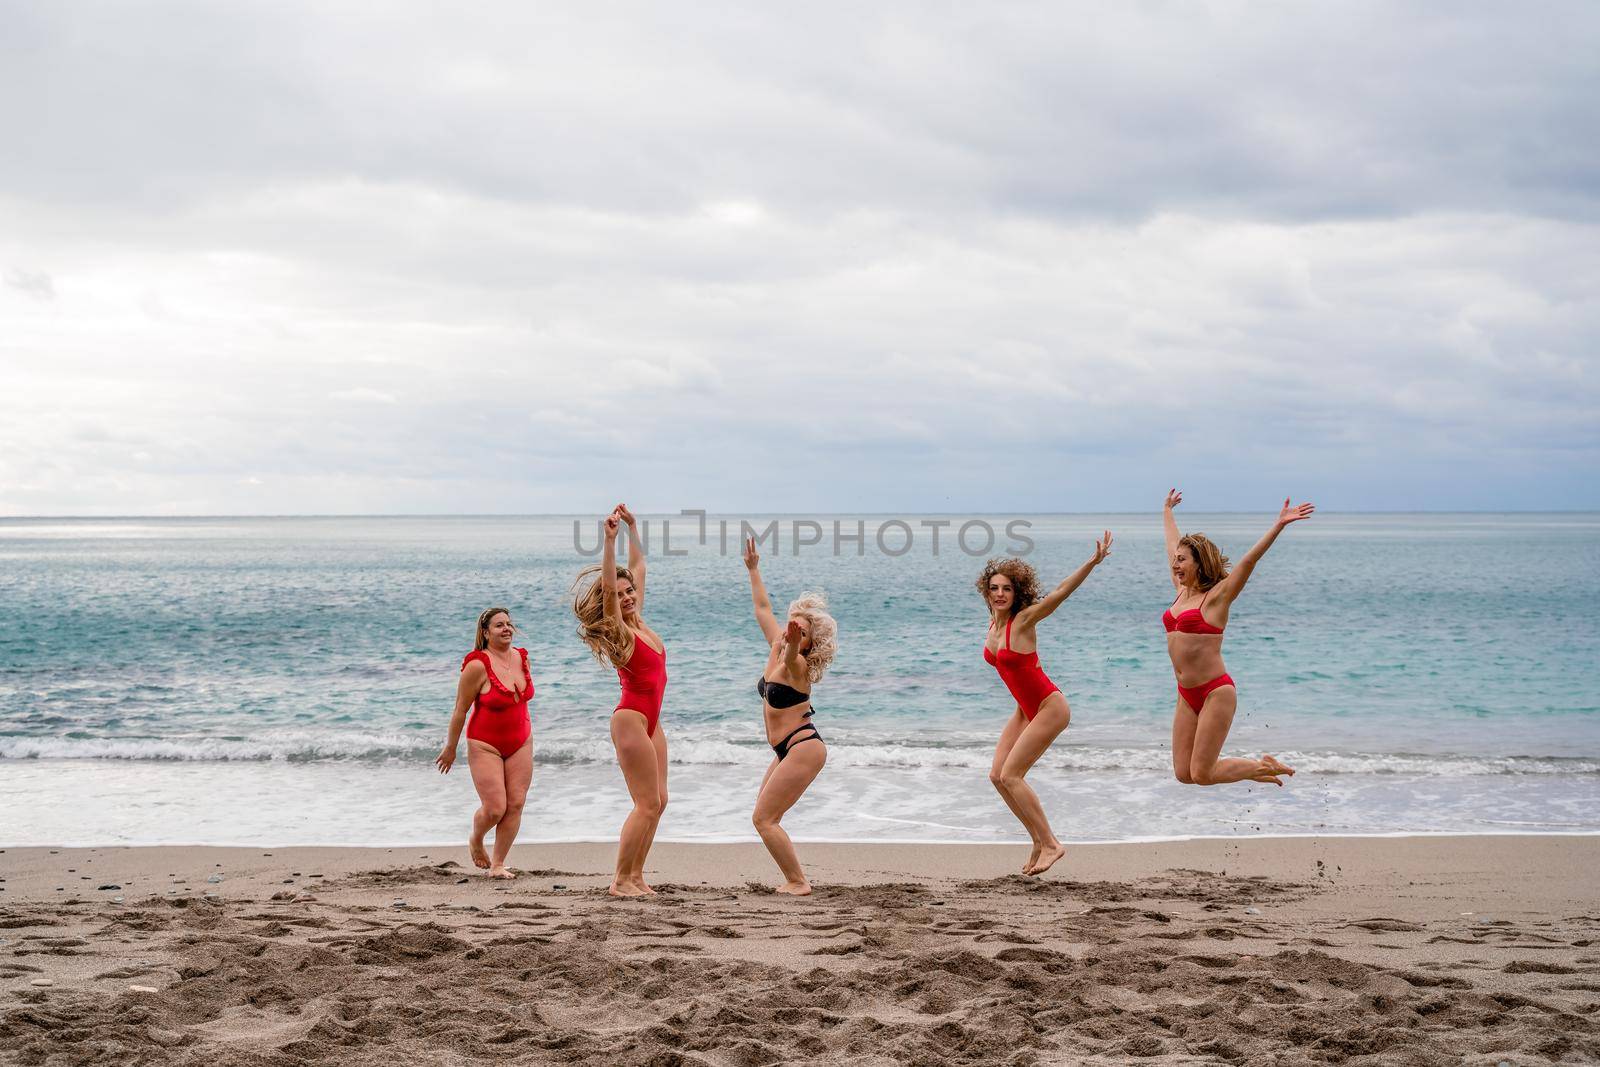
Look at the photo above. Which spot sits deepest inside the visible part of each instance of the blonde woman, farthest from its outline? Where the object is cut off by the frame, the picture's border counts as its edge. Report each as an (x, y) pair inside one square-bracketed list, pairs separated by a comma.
[(799, 653), (1207, 697), (608, 604), (497, 685)]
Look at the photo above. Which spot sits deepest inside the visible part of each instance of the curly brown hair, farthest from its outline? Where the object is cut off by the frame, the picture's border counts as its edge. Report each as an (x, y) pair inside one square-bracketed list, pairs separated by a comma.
[(1210, 565), (1024, 581)]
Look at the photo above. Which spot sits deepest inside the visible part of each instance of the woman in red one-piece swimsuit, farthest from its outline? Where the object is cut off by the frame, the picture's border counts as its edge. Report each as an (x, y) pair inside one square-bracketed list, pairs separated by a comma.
[(608, 608), (497, 685), (1194, 623), (1010, 588)]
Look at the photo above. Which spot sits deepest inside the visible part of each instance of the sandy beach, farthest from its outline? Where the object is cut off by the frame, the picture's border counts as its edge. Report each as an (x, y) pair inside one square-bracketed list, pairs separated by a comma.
[(1339, 950)]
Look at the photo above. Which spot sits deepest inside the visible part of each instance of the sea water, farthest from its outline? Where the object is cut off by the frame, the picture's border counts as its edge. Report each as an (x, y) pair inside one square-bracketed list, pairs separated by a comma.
[(289, 680)]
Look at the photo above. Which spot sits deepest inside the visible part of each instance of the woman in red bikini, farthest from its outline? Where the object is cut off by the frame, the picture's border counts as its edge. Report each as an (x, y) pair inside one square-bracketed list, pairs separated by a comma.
[(1010, 588), (496, 684), (1207, 697), (799, 652), (608, 607)]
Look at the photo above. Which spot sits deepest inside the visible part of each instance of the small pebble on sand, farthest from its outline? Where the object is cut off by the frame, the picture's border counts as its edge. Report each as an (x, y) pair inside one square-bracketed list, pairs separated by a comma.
[(143, 989), (43, 981)]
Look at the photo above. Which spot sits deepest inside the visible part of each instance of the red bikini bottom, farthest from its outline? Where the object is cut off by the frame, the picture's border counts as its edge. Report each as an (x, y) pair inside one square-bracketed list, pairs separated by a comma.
[(1196, 698)]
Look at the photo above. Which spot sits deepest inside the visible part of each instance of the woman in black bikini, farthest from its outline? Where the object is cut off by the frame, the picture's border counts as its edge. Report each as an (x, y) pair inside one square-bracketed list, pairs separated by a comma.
[(800, 653)]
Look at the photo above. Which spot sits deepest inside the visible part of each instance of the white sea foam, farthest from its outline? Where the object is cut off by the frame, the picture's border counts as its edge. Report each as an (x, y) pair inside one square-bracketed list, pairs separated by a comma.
[(311, 746)]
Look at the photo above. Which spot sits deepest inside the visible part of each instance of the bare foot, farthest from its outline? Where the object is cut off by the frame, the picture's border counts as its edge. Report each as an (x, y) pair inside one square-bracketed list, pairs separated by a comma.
[(1275, 765), (1033, 857), (500, 872), (639, 884), (480, 856), (1047, 859), (622, 889), (795, 889)]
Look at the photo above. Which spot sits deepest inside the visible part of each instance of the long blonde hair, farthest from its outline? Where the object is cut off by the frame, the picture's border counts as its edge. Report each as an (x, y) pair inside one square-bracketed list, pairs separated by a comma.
[(610, 640), (481, 641), (813, 607)]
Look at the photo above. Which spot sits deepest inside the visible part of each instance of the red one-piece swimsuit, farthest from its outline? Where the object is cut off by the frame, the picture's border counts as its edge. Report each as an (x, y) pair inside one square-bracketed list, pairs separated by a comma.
[(644, 683), (1022, 674), (500, 716)]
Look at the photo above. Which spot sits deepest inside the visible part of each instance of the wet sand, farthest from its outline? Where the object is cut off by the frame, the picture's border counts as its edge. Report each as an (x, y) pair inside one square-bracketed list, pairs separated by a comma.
[(1266, 951)]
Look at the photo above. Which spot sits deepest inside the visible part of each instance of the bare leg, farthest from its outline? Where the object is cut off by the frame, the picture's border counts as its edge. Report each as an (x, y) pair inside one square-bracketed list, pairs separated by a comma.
[(1036, 737), (636, 756), (489, 778), (1206, 764), (1008, 738), (518, 774), (659, 741), (1184, 723), (785, 782)]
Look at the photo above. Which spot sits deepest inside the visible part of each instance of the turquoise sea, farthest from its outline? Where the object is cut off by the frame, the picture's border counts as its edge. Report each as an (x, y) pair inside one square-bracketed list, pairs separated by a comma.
[(288, 680)]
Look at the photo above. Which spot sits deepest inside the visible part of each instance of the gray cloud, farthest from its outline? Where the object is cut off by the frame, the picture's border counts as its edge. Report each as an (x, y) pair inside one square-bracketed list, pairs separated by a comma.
[(34, 283), (1038, 256)]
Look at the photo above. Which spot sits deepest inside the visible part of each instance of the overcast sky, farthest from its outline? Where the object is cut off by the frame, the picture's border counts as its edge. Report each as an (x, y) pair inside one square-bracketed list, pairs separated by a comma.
[(282, 257)]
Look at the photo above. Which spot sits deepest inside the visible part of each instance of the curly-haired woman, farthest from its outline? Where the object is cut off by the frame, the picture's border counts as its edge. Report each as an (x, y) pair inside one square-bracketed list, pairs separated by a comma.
[(1207, 697), (798, 655), (1010, 588)]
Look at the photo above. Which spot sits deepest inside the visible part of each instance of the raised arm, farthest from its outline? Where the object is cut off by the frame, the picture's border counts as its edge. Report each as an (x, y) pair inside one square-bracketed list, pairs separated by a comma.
[(636, 558), (1047, 604), (473, 675), (608, 573), (1170, 523), (758, 593), (1230, 587)]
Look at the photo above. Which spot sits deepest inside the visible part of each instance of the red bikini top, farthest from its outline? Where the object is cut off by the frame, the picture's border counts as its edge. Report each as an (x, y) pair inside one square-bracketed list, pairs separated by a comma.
[(500, 697), (1190, 621)]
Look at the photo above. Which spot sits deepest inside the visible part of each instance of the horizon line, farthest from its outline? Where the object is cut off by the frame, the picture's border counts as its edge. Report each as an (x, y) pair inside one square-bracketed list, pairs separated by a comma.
[(709, 514)]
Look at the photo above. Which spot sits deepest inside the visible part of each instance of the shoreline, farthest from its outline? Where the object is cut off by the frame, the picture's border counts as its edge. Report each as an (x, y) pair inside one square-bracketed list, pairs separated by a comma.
[(1477, 862), (799, 839)]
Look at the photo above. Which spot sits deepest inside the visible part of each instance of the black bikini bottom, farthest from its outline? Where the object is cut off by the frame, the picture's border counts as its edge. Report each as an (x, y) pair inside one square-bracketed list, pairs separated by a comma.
[(782, 747)]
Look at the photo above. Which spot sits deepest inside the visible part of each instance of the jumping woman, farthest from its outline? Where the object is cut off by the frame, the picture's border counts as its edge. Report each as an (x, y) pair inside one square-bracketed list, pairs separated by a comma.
[(1207, 697), (608, 604), (496, 684), (798, 655), (1010, 588)]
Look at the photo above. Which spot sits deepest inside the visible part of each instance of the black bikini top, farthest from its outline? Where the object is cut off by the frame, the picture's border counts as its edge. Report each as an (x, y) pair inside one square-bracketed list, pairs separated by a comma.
[(779, 695)]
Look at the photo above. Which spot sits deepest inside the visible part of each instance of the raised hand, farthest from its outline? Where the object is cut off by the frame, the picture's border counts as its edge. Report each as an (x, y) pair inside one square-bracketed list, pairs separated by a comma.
[(793, 636), (752, 558), (624, 514), (612, 523), (1295, 513), (1174, 498), (1102, 548)]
